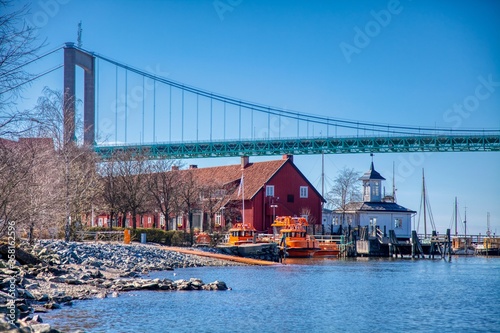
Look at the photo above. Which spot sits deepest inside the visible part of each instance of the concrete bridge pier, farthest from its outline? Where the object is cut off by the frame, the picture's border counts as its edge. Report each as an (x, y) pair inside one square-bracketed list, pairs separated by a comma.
[(76, 57)]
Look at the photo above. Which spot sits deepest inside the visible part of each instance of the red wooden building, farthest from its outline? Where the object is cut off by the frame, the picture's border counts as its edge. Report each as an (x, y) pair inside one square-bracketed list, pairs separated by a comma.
[(264, 189)]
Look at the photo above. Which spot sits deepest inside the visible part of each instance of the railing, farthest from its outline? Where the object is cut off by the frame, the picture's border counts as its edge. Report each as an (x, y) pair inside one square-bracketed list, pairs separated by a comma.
[(297, 146), (109, 236), (475, 239), (328, 238)]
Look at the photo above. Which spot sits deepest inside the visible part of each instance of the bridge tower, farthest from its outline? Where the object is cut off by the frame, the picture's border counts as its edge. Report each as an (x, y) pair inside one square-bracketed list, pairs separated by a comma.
[(76, 57)]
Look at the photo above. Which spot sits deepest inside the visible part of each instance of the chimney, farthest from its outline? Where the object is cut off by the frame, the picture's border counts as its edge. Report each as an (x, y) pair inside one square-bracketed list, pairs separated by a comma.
[(244, 161), (288, 157), (193, 166), (175, 168)]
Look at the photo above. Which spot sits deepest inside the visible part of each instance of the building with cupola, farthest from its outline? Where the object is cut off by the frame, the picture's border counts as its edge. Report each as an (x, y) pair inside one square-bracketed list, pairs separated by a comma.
[(376, 209)]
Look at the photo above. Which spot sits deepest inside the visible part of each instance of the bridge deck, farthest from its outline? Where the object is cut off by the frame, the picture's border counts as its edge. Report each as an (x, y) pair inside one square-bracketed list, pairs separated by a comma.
[(301, 146)]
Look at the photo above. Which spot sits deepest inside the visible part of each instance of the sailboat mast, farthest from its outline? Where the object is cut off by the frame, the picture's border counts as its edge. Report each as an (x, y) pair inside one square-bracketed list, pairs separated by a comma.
[(465, 226), (456, 213), (393, 184), (322, 175), (425, 204)]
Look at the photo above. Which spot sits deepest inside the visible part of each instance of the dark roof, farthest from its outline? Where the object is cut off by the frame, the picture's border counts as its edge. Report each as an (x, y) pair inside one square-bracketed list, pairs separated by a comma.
[(375, 206), (371, 174)]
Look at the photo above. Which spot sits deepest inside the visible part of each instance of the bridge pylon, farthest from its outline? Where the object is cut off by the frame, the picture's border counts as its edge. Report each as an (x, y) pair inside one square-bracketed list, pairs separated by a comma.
[(73, 57)]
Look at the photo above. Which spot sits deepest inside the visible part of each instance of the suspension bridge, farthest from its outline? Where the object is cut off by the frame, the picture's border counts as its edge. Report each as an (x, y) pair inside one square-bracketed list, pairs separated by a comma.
[(130, 110)]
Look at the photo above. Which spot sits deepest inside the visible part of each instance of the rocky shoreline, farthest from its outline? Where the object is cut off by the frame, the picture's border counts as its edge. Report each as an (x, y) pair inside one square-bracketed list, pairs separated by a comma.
[(53, 274)]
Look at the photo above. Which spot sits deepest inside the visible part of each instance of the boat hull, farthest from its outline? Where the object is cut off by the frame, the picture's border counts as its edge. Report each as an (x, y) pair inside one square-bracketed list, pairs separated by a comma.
[(299, 252), (327, 249)]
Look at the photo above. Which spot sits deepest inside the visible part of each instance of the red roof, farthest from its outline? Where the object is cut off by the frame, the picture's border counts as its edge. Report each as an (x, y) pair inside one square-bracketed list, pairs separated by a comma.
[(255, 175)]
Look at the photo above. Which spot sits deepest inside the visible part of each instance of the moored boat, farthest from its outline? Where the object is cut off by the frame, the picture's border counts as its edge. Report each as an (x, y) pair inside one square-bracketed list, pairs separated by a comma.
[(292, 238), (242, 240), (490, 246), (327, 248), (242, 233)]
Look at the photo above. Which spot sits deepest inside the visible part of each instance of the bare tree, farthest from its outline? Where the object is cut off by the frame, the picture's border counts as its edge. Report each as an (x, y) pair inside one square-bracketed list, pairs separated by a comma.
[(213, 195), (162, 185), (77, 164), (18, 46), (189, 197), (345, 189), (13, 171), (131, 177), (39, 205), (111, 192)]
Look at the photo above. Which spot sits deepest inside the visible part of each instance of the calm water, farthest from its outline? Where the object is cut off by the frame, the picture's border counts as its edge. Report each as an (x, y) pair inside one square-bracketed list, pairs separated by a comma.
[(362, 295)]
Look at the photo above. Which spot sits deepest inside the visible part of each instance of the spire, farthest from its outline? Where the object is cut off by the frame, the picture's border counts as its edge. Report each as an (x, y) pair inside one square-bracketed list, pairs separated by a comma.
[(371, 174)]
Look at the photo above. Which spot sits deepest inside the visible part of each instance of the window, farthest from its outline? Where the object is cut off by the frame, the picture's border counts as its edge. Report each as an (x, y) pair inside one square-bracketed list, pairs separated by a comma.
[(398, 222), (373, 224), (218, 219), (367, 189), (304, 191), (270, 191), (162, 220), (289, 198), (149, 220), (376, 191)]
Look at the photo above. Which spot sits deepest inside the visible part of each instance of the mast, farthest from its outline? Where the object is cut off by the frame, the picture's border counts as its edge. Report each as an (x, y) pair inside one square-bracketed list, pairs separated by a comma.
[(425, 204), (456, 229), (488, 231), (393, 184), (243, 199), (465, 227), (322, 175)]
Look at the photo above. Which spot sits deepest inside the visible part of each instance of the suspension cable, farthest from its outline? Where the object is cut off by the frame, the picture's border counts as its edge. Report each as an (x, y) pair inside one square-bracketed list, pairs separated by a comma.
[(32, 79)]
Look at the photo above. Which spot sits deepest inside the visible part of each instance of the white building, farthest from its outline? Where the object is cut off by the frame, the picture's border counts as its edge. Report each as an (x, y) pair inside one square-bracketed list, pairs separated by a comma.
[(375, 211)]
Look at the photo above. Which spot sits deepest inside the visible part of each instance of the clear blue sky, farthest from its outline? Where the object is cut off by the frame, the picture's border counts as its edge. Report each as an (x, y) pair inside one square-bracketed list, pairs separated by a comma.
[(413, 61)]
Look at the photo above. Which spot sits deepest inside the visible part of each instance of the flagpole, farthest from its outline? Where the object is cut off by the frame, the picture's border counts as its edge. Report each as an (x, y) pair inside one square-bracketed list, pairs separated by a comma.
[(243, 199)]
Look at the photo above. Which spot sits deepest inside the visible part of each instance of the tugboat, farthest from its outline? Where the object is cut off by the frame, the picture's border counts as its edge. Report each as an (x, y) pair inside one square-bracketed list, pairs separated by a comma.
[(292, 238), (242, 240)]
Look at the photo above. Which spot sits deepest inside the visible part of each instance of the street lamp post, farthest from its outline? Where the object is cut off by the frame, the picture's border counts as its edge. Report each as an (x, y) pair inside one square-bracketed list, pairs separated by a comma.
[(274, 206), (222, 217)]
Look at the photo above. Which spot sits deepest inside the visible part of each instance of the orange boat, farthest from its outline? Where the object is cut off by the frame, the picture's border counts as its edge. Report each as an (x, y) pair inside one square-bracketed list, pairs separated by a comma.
[(242, 233), (328, 248), (242, 240), (293, 239)]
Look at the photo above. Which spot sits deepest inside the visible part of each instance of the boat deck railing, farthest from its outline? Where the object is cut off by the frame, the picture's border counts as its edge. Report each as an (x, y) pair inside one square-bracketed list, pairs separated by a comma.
[(328, 238)]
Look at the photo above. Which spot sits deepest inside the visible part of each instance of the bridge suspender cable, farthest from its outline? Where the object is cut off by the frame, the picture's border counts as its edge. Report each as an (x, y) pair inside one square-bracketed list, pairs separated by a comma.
[(365, 126)]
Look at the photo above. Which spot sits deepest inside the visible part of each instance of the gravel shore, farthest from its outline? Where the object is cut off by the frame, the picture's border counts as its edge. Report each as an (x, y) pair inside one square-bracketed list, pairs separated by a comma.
[(56, 273)]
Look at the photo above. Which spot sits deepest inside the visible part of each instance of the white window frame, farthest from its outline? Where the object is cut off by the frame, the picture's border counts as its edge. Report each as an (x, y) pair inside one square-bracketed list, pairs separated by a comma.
[(376, 189), (304, 192), (398, 223), (218, 219), (269, 190)]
